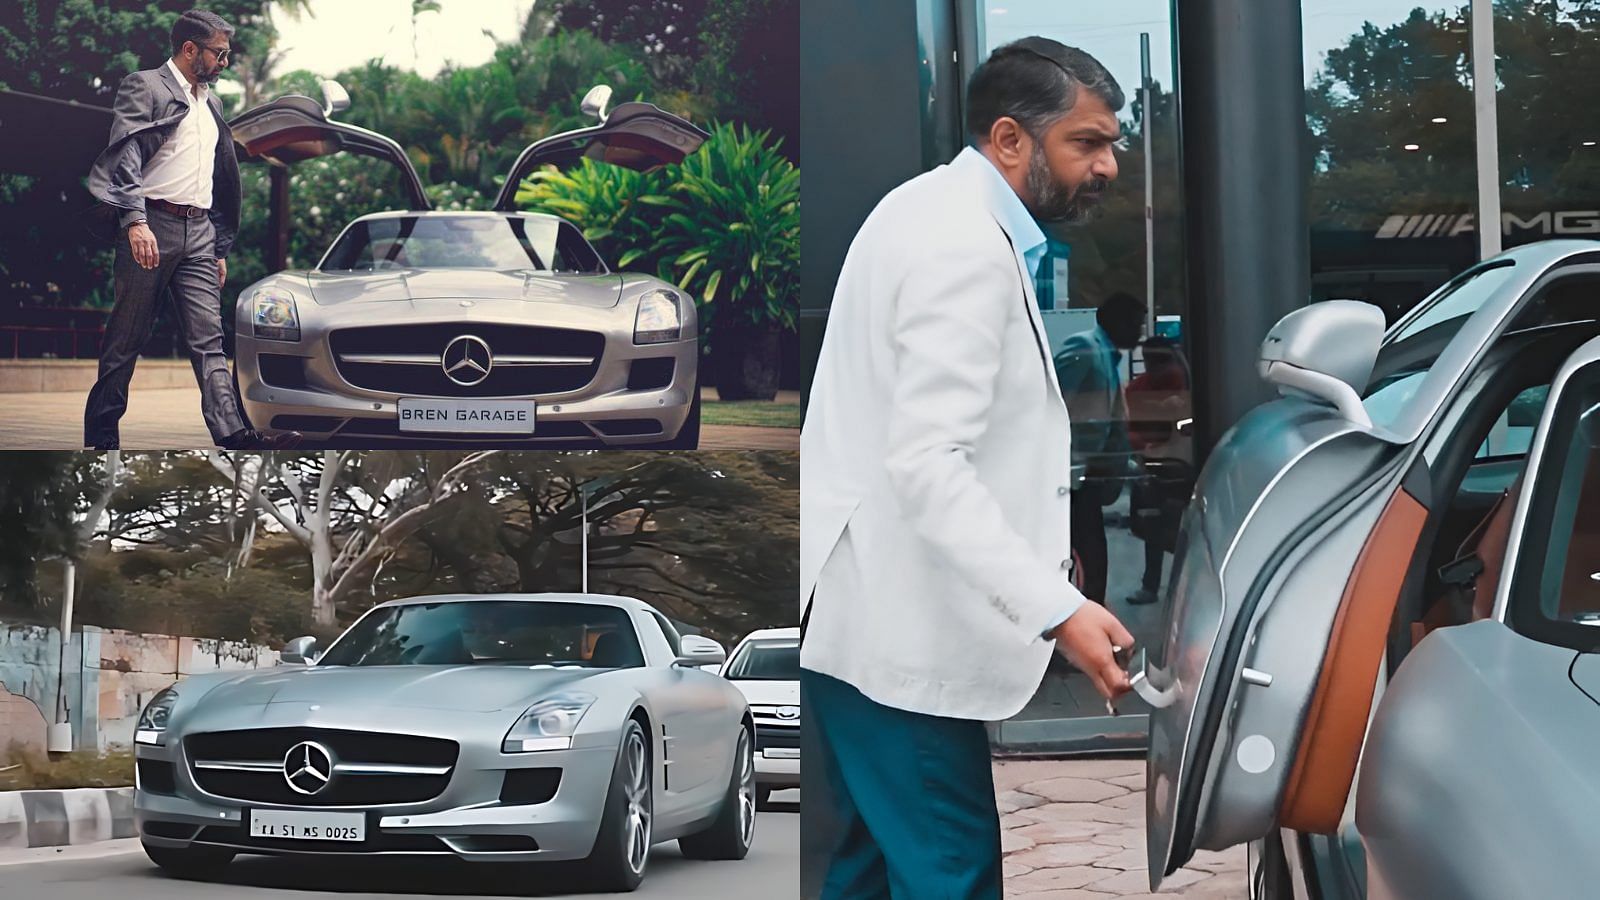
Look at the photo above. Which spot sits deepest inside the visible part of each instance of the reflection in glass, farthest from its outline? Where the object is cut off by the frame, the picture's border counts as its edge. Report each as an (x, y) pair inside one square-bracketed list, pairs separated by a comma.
[(1126, 384), (1393, 168)]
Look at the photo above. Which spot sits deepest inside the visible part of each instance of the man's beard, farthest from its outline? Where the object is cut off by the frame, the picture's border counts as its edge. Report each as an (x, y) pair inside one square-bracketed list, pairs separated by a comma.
[(1050, 200), (207, 76)]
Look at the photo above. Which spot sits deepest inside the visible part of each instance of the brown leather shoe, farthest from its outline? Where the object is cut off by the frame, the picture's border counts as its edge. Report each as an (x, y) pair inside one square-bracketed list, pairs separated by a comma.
[(251, 439)]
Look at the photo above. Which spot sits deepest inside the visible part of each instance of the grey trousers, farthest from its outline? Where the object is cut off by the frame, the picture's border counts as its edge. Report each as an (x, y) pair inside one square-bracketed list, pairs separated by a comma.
[(189, 267)]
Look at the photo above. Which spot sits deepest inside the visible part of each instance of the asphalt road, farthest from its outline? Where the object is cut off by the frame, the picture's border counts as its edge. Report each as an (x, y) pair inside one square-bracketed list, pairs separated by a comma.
[(772, 871)]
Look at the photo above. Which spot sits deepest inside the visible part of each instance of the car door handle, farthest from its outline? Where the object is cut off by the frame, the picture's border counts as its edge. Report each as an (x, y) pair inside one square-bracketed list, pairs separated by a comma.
[(1157, 697)]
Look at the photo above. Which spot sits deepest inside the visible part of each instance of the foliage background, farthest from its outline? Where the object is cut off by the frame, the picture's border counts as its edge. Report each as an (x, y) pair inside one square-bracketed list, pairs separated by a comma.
[(708, 537)]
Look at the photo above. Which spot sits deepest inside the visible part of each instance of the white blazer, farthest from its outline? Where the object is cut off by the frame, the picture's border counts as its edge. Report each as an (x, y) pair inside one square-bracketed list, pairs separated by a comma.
[(935, 459)]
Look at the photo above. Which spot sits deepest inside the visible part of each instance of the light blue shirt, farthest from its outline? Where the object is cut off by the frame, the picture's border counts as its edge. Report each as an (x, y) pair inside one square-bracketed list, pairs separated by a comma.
[(1025, 233), (1014, 217)]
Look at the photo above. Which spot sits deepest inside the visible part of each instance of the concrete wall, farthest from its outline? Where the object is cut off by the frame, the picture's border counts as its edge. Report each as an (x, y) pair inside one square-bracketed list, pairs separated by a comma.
[(111, 675), (35, 375)]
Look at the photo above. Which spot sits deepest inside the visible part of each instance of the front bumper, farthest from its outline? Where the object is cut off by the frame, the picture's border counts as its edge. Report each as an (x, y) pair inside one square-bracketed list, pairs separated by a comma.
[(778, 773), (315, 399), (469, 820)]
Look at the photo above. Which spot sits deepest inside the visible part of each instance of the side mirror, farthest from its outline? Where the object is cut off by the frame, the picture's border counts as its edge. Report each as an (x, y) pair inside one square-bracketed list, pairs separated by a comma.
[(300, 651), (596, 101), (1325, 351), (334, 98), (701, 651)]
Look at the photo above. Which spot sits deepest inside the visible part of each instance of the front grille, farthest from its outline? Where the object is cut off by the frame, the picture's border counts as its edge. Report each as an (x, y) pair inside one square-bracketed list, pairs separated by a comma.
[(345, 788), (376, 841), (306, 423), (282, 371), (176, 831), (628, 427), (156, 777), (494, 843), (651, 374), (773, 737), (427, 379), (527, 786)]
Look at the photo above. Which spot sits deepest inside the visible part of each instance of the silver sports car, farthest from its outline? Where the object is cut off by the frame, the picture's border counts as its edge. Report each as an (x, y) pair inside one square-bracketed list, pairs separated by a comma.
[(1379, 668), (498, 327), (504, 728)]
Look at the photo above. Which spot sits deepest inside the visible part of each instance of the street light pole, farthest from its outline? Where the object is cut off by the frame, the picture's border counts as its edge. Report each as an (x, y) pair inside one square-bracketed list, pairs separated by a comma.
[(1149, 187), (583, 494)]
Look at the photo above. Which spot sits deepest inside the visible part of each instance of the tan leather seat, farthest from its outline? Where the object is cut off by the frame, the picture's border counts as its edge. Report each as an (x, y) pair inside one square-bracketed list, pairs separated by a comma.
[(1485, 545), (1336, 723)]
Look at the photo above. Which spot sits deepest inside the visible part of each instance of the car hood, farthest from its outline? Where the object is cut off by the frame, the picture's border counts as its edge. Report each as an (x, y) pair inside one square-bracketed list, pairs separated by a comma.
[(399, 285), (769, 693), (482, 688)]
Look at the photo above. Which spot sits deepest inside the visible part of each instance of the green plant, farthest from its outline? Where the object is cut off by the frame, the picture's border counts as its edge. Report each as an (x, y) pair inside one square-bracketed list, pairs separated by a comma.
[(607, 204), (22, 769), (732, 234)]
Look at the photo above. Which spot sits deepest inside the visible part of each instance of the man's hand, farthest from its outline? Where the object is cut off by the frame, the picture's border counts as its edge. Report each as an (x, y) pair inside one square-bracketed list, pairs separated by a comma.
[(143, 243), (222, 272), (1086, 639)]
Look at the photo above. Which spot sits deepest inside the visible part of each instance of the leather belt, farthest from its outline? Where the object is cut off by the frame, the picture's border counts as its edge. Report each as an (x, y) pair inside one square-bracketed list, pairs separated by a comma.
[(177, 209)]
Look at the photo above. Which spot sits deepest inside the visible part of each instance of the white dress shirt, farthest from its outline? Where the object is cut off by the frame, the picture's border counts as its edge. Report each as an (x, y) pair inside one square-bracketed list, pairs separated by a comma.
[(180, 172), (936, 458)]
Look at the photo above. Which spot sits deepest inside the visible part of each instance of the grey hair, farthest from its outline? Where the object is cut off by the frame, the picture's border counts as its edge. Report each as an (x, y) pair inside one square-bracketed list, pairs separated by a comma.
[(1037, 82), (197, 25)]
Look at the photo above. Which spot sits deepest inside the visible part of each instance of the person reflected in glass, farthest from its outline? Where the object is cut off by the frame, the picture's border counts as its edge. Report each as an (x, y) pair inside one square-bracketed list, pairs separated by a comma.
[(1089, 368), (1156, 398)]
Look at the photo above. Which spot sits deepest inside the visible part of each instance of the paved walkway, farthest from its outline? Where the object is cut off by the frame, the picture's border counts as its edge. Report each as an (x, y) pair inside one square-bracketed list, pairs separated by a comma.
[(169, 419), (1074, 830)]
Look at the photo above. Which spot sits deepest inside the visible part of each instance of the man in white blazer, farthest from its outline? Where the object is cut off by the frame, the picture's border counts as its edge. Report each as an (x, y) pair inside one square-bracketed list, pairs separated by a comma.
[(935, 554)]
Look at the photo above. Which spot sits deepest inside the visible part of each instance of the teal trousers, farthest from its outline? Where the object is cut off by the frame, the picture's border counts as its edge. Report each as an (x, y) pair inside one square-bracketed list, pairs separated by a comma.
[(913, 799)]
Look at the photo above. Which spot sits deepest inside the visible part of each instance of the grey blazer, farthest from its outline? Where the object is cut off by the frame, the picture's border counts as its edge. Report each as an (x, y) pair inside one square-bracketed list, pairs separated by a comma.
[(149, 106)]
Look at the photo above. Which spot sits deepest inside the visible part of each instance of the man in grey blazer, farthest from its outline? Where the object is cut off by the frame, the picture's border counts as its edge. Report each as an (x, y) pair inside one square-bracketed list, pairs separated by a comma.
[(168, 192)]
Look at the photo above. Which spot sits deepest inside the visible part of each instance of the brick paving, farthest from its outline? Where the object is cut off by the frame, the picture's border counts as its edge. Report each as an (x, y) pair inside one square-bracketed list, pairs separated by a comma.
[(169, 419), (1074, 830)]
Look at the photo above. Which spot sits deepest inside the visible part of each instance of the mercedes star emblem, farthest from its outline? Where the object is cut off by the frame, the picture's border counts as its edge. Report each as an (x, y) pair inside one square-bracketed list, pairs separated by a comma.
[(467, 360), (788, 712), (308, 767)]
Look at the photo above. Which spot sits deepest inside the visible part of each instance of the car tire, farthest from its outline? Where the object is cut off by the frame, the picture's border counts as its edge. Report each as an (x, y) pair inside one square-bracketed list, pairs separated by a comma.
[(622, 848), (730, 836), (190, 863)]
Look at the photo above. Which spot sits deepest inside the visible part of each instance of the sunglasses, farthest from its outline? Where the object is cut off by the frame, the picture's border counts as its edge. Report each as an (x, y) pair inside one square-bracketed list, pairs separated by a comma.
[(222, 54)]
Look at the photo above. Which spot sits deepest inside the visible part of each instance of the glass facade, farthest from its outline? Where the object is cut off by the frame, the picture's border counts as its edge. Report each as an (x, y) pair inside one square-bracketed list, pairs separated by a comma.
[(1115, 322)]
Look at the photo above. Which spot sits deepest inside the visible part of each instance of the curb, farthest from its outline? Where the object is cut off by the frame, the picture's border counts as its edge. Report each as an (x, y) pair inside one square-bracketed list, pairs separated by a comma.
[(65, 817)]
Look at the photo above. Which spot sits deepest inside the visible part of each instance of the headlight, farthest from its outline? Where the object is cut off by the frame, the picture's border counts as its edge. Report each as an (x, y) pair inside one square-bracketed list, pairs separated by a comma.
[(153, 721), (548, 724), (276, 318), (660, 318)]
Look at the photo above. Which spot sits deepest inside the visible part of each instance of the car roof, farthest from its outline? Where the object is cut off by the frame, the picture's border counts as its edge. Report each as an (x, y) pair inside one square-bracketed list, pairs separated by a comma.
[(628, 603), (773, 634)]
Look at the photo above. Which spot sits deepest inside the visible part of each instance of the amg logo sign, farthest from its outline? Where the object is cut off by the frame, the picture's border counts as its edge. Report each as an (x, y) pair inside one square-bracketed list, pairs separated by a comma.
[(1545, 223)]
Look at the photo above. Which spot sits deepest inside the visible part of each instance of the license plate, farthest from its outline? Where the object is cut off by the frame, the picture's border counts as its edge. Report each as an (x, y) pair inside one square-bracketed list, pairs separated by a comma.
[(452, 416), (305, 825)]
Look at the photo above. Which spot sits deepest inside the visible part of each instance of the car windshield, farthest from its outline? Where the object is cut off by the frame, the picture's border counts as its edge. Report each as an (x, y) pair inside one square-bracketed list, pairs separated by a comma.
[(478, 632), (1413, 347), (766, 661), (480, 241)]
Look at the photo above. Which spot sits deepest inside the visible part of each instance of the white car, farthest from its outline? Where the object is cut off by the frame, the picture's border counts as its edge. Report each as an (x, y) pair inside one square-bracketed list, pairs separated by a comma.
[(766, 667)]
